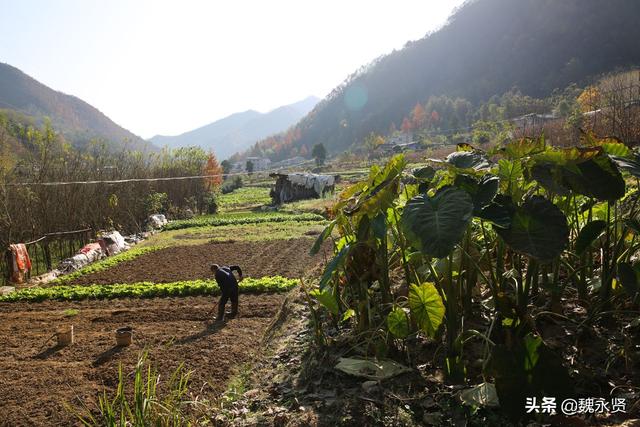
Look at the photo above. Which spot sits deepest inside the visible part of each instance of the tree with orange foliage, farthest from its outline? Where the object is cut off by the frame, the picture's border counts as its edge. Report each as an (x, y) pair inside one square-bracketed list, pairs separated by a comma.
[(435, 117), (213, 171), (418, 116), (406, 125)]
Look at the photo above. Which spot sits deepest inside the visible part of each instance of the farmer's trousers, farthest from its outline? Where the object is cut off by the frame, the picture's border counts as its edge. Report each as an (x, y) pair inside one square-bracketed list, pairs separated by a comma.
[(228, 294)]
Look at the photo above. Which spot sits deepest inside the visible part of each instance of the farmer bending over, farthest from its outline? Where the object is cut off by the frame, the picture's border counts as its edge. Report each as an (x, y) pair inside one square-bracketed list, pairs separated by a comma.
[(229, 288)]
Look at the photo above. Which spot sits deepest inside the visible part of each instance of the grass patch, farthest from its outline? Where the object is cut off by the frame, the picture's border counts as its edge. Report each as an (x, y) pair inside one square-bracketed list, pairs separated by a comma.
[(71, 312), (105, 263), (240, 219), (245, 198), (146, 290)]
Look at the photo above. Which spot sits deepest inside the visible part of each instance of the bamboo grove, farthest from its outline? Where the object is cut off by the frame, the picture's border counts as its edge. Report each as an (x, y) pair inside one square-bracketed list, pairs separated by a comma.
[(422, 252)]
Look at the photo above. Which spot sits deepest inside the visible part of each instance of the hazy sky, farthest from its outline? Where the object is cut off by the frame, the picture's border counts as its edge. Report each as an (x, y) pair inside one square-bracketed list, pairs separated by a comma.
[(166, 67)]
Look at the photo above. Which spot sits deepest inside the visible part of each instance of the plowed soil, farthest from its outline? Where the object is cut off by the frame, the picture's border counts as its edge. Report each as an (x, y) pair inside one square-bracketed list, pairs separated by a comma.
[(37, 378), (287, 258)]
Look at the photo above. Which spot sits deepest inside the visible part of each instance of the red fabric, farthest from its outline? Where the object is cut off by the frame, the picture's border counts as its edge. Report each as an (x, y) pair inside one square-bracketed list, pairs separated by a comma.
[(90, 247), (21, 257)]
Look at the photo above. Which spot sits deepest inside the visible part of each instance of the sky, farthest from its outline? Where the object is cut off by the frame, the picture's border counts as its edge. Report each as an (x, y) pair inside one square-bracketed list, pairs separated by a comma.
[(167, 67)]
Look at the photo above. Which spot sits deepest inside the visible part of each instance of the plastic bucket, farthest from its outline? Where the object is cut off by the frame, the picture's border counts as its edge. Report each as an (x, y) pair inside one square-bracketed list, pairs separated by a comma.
[(65, 336), (124, 336)]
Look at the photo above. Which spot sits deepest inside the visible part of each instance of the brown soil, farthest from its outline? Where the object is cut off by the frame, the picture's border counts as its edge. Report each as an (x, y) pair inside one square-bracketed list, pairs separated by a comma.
[(288, 258), (38, 378)]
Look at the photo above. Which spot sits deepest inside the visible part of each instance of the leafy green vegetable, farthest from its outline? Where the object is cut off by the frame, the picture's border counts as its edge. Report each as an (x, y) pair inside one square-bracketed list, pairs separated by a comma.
[(146, 290)]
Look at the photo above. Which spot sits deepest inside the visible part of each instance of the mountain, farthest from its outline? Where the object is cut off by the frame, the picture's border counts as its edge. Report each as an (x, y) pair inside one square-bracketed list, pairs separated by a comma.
[(486, 48), (238, 131), (78, 121)]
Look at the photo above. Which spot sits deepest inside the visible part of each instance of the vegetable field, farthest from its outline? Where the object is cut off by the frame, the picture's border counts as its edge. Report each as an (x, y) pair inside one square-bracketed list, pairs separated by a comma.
[(166, 293)]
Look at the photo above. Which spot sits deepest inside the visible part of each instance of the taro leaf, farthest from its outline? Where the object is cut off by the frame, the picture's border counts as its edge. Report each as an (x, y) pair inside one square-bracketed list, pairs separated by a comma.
[(596, 177), (426, 173), (487, 190), (327, 299), (436, 224), (538, 229), (527, 369), (510, 173), (523, 147), (322, 237), (379, 225), (615, 147), (332, 266), (499, 212), (549, 176), (589, 234), (631, 165), (426, 306), (467, 160), (398, 323), (481, 191), (379, 198), (628, 276)]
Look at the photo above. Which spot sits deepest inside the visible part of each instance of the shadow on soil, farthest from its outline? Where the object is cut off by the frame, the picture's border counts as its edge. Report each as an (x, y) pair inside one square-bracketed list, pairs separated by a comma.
[(49, 352), (107, 355), (209, 329)]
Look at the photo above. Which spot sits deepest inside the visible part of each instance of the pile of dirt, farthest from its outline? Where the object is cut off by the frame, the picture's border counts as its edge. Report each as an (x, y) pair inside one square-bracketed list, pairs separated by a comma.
[(288, 258)]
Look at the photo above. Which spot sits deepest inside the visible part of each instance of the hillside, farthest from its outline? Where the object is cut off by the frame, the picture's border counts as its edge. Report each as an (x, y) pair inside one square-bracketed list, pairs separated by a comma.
[(78, 121), (238, 131), (486, 48)]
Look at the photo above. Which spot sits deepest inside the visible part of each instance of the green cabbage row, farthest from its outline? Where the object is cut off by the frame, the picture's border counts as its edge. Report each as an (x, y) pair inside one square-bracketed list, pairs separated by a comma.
[(146, 290)]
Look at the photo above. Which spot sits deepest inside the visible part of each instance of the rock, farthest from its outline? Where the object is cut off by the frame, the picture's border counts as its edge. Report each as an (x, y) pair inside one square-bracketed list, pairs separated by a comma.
[(6, 290)]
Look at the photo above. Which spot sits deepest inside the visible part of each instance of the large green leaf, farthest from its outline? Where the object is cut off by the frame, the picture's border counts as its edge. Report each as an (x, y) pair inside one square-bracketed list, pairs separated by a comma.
[(538, 229), (467, 160), (631, 164), (322, 237), (424, 174), (509, 172), (426, 306), (398, 323), (482, 191), (499, 212), (332, 266), (327, 299), (436, 224), (589, 234), (549, 176), (523, 147), (596, 177)]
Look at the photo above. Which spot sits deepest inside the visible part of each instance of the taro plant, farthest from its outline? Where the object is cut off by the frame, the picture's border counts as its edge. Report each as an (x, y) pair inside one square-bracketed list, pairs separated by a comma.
[(521, 226)]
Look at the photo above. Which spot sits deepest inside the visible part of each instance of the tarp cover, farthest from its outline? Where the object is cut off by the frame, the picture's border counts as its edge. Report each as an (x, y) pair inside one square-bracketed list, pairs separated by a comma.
[(310, 180)]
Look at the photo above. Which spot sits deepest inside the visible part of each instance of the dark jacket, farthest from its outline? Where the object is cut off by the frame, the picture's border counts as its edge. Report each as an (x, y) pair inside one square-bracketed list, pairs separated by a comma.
[(225, 278)]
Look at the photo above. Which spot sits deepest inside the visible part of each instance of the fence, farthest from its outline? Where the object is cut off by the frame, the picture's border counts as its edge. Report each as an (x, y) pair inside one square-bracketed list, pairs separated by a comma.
[(47, 251)]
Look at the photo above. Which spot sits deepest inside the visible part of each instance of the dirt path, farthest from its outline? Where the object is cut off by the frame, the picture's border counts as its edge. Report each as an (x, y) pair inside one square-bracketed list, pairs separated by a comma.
[(37, 378), (288, 258)]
